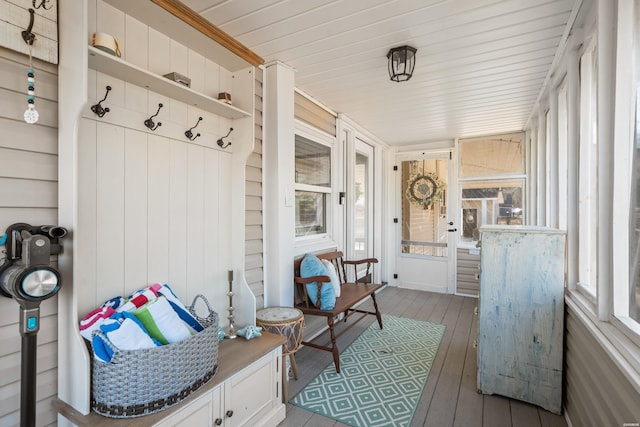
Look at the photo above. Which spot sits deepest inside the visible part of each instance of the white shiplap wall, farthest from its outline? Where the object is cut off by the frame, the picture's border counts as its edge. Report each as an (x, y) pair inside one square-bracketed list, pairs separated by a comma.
[(153, 206), (28, 193), (152, 209)]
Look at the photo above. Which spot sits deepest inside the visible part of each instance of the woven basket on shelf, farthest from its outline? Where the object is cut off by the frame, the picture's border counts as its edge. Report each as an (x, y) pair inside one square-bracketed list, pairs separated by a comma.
[(142, 382)]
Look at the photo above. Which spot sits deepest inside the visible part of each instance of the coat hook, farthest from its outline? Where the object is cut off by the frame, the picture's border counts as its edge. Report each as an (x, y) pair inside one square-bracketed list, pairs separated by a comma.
[(149, 122), (41, 5), (221, 142), (189, 134), (27, 35), (98, 108)]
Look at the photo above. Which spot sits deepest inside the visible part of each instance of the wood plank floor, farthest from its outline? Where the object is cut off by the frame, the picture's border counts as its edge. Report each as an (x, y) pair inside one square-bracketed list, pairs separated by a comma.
[(450, 397)]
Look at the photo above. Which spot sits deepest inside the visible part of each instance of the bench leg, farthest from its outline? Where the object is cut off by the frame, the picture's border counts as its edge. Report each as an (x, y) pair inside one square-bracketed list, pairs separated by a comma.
[(375, 306), (334, 346)]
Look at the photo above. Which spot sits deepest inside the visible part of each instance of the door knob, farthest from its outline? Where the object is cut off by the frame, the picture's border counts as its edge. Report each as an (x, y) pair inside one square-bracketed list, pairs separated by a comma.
[(452, 230)]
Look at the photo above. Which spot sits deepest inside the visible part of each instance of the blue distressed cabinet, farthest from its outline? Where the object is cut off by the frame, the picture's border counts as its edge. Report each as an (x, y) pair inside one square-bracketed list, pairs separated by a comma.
[(521, 309)]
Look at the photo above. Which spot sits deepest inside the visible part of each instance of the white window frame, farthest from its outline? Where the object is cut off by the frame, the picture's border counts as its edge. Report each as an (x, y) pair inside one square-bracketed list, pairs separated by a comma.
[(587, 182), (602, 315), (549, 146), (563, 150), (627, 80), (324, 240), (496, 178)]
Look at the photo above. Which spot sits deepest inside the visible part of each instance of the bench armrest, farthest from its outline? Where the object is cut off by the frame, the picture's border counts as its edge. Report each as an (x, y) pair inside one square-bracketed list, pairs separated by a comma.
[(355, 263), (305, 280), (362, 261), (301, 282)]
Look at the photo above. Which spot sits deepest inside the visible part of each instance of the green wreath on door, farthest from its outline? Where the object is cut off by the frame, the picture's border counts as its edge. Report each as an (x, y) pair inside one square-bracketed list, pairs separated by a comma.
[(424, 189)]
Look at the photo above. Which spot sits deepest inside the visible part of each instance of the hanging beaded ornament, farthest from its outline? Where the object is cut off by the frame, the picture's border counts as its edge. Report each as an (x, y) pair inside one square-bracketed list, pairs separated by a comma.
[(31, 114)]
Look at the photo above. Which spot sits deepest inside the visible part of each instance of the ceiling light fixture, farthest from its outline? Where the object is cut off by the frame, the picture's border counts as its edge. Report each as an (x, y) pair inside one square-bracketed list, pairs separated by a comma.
[(402, 60)]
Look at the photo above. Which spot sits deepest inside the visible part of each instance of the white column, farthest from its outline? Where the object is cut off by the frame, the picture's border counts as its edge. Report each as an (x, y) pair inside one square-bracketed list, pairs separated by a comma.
[(74, 377), (278, 184)]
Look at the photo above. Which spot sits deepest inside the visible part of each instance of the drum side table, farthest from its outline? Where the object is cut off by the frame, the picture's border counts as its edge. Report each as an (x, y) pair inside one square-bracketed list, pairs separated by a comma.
[(289, 323)]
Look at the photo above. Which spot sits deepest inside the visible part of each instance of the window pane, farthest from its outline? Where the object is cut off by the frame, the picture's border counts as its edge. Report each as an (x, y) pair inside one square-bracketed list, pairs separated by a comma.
[(491, 156), (310, 213), (634, 214), (588, 179), (490, 202), (360, 207), (634, 235), (313, 163), (424, 221)]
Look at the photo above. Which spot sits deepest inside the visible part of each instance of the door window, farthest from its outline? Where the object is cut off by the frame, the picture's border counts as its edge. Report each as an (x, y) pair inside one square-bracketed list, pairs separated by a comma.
[(360, 207), (424, 209)]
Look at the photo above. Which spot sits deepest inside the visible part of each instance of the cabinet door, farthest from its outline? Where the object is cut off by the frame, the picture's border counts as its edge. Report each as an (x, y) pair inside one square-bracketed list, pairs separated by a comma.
[(250, 395), (200, 412)]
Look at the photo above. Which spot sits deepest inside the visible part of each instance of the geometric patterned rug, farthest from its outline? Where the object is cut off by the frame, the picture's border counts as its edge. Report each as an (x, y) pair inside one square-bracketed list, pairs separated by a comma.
[(383, 373)]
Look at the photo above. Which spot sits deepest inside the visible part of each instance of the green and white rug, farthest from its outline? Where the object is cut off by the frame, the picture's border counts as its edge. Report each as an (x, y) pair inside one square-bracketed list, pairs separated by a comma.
[(383, 375)]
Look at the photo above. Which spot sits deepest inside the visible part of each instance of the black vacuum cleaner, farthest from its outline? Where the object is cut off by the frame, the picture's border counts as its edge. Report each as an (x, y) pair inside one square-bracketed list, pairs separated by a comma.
[(26, 276)]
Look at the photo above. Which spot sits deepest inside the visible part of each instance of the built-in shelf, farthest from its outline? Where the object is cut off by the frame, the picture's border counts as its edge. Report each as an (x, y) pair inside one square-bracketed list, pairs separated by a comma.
[(182, 24), (120, 69)]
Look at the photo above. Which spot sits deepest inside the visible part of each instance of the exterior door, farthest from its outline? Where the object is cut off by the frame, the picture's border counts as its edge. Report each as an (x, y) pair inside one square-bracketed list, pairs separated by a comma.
[(426, 231), (360, 204)]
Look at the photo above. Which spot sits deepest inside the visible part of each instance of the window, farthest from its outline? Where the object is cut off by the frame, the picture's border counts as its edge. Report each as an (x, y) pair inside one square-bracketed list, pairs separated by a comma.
[(587, 179), (490, 202), (563, 162), (496, 155), (634, 223), (312, 187), (491, 183), (630, 296), (548, 171), (424, 207)]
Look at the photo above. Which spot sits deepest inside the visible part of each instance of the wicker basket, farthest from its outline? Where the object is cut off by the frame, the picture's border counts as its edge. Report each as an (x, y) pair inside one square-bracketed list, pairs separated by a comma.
[(142, 382)]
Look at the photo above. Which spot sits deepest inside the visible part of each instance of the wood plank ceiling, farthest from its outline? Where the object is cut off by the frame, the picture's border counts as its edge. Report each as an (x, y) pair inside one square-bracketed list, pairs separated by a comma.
[(480, 66)]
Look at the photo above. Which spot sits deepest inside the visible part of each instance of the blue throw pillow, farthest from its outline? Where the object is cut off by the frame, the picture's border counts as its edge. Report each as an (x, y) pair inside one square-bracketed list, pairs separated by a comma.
[(312, 266)]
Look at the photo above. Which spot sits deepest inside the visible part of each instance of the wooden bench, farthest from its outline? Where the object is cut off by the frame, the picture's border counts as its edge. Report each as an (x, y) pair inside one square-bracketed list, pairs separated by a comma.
[(350, 295)]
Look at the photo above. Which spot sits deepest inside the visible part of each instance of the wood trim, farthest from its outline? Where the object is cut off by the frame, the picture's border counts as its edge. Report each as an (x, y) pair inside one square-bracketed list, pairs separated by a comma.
[(189, 16)]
